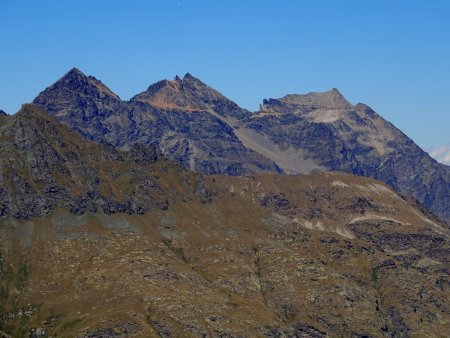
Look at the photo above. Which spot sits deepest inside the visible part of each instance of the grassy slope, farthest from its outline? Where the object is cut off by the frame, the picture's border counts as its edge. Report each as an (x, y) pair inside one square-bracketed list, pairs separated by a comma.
[(232, 266)]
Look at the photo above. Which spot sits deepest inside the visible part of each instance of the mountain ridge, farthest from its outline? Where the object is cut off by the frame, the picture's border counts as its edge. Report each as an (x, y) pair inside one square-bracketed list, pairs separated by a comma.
[(196, 138), (297, 134)]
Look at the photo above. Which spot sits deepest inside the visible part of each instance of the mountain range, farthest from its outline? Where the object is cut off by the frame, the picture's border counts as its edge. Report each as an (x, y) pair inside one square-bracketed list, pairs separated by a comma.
[(180, 214), (197, 126)]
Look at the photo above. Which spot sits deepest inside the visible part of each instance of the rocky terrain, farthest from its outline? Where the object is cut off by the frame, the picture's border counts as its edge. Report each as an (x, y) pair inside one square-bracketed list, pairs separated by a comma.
[(45, 166), (189, 134), (200, 128), (100, 242)]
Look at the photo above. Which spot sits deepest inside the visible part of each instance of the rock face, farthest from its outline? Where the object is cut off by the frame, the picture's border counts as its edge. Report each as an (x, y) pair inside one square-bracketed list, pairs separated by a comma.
[(325, 131), (45, 166), (2, 113), (190, 134)]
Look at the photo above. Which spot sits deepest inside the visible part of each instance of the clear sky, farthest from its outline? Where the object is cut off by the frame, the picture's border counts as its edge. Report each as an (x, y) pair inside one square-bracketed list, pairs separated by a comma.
[(392, 55)]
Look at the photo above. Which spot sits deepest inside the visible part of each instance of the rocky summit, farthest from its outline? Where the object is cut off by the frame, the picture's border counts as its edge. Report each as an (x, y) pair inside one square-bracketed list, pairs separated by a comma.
[(101, 242), (190, 94)]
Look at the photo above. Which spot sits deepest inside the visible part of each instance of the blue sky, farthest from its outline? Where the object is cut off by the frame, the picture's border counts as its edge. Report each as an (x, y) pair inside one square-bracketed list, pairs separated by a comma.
[(392, 55)]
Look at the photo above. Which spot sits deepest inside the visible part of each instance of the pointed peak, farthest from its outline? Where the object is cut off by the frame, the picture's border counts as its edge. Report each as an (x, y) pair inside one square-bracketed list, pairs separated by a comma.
[(3, 113), (77, 82), (177, 78), (336, 91), (73, 76), (74, 72), (189, 78)]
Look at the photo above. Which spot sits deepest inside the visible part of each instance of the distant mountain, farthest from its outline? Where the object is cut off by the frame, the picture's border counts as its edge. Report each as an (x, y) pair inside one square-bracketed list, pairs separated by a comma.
[(2, 113), (197, 126), (192, 135), (441, 154), (101, 242), (325, 131)]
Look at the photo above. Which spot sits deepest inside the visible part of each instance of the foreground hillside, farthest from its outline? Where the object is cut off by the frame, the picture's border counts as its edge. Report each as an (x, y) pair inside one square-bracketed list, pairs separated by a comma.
[(136, 246)]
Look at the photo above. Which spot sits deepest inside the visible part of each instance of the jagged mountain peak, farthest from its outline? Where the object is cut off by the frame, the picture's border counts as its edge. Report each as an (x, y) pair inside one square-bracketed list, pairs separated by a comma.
[(3, 113), (75, 71), (189, 94), (73, 77), (188, 77), (76, 82)]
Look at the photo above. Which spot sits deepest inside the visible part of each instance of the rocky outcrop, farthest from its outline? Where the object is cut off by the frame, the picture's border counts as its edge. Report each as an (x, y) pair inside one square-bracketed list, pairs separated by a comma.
[(44, 166)]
